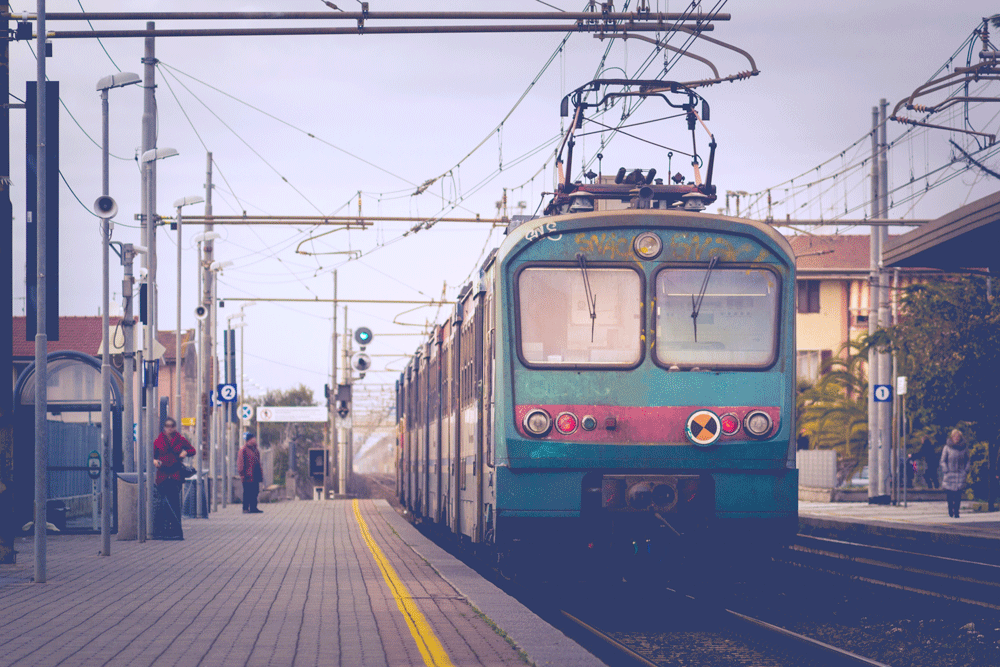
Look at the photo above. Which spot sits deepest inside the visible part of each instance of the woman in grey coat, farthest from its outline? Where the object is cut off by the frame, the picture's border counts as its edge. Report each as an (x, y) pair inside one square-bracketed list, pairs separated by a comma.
[(955, 468)]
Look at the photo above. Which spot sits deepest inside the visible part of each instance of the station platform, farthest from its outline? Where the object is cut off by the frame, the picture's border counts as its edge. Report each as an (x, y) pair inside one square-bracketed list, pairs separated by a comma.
[(923, 527), (335, 582)]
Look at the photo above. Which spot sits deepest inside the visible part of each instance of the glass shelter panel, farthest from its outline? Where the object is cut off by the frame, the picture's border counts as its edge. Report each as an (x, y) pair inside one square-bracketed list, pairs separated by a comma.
[(716, 318), (560, 326)]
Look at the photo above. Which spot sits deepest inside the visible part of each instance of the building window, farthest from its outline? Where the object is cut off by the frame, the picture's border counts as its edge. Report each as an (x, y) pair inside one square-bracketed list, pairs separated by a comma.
[(810, 363), (808, 296)]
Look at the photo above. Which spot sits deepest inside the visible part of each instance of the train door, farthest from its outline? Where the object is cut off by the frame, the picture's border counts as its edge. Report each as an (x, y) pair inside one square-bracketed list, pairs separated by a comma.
[(456, 391), (434, 430), (420, 439), (425, 431), (486, 498), (400, 438)]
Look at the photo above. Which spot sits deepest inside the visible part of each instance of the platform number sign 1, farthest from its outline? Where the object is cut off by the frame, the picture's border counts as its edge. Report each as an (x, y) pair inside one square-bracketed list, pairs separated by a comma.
[(883, 393), (227, 393)]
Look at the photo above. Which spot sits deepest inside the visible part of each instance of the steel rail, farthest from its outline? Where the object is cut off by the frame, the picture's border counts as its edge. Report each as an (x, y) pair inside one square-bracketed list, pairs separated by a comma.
[(776, 638), (821, 652), (610, 29), (968, 582), (608, 640), (683, 17)]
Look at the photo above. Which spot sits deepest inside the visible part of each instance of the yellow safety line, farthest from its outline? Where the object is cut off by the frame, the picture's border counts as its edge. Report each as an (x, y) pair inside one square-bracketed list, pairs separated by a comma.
[(430, 647)]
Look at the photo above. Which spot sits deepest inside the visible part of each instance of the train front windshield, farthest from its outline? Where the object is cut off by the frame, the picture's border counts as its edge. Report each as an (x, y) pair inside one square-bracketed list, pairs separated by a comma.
[(716, 318), (563, 323)]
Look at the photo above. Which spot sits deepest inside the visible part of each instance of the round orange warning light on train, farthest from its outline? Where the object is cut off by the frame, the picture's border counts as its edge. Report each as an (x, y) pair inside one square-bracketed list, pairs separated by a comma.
[(703, 428)]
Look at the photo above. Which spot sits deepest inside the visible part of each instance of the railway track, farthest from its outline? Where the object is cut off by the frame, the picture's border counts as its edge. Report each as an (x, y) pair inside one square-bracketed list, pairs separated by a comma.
[(963, 581), (718, 637)]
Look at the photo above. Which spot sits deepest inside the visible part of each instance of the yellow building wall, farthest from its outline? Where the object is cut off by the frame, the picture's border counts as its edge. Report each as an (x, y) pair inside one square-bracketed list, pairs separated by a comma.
[(826, 329)]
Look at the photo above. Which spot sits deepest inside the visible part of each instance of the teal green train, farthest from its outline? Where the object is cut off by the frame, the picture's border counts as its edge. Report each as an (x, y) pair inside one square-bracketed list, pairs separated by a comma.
[(616, 384)]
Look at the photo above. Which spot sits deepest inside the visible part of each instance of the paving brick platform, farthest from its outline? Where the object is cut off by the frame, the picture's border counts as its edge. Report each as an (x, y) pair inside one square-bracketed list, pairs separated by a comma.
[(301, 584)]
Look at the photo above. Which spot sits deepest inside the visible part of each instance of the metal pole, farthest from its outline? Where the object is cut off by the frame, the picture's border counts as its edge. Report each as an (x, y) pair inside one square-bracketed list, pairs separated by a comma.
[(208, 353), (128, 361), (178, 409), (7, 531), (333, 386), (884, 367), (152, 411), (106, 345), (140, 454), (41, 335), (147, 434), (344, 435), (873, 258), (220, 456), (199, 511)]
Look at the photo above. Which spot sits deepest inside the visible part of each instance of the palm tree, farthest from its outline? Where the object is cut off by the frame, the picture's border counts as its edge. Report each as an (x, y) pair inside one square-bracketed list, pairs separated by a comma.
[(833, 413)]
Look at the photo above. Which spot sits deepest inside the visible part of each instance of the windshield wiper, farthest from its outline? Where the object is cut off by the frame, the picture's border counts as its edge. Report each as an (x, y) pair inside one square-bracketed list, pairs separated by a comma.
[(590, 296), (696, 303)]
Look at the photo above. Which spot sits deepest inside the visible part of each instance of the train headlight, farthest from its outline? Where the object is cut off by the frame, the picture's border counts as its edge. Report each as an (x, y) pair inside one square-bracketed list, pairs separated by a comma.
[(730, 424), (566, 423), (588, 423), (757, 423), (537, 422), (647, 245)]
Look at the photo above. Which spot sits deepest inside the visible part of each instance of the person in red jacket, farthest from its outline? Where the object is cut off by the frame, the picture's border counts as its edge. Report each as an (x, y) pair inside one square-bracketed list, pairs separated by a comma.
[(248, 467), (169, 450)]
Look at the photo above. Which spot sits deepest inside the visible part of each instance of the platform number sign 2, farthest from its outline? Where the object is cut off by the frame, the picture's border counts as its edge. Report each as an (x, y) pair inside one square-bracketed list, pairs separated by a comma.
[(883, 393), (227, 393)]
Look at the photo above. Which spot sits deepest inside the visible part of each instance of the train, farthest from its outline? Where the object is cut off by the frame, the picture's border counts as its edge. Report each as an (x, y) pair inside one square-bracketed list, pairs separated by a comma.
[(618, 383)]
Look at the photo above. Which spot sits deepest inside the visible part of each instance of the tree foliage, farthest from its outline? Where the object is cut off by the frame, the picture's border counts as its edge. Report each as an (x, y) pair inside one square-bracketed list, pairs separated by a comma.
[(280, 435), (833, 413), (947, 342)]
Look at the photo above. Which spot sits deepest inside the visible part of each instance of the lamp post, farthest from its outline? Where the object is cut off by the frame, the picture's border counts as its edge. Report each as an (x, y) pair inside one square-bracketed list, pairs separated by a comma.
[(180, 204), (221, 457), (152, 412), (201, 422), (106, 208)]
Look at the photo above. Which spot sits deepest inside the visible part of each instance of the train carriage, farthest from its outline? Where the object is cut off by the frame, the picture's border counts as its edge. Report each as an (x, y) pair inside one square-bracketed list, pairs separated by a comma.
[(620, 372), (624, 377)]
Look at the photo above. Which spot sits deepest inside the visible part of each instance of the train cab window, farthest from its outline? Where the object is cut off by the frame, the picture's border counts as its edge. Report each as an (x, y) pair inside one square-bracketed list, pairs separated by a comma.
[(716, 318), (556, 323)]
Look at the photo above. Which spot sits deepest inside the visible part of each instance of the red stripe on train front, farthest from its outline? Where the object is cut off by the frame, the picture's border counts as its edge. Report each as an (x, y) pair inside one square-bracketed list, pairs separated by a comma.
[(643, 425)]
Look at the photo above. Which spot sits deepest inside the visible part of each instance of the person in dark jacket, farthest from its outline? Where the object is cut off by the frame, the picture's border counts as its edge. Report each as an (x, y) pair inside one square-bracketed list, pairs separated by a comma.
[(955, 466), (931, 458), (248, 467), (169, 450)]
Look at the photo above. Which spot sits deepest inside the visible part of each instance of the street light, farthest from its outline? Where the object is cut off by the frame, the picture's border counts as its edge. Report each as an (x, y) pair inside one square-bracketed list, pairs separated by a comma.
[(202, 312), (216, 444), (107, 209), (152, 412), (178, 410), (180, 204)]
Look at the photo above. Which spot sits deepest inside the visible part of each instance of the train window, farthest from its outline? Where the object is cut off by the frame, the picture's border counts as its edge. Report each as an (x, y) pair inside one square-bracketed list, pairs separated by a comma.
[(726, 317), (560, 327)]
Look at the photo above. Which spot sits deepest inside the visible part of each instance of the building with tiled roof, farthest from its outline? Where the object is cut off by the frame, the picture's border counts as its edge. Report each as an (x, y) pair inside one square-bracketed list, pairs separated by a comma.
[(83, 334), (832, 295)]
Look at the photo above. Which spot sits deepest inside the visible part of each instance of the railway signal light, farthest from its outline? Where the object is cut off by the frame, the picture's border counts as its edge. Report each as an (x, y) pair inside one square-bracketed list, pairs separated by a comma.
[(363, 336)]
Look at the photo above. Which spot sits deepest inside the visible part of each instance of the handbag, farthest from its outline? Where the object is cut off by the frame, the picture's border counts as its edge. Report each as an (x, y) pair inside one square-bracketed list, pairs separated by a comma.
[(187, 472)]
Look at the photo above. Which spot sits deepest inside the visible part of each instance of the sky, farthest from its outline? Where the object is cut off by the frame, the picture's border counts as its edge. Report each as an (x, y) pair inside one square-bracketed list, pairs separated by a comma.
[(302, 125)]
